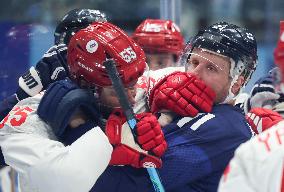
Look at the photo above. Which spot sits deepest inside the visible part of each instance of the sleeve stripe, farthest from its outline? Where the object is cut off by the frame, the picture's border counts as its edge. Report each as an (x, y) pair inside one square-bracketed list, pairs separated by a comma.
[(202, 120)]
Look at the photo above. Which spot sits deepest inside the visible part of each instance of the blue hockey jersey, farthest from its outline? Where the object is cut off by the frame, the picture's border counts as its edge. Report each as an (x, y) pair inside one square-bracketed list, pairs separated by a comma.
[(198, 152)]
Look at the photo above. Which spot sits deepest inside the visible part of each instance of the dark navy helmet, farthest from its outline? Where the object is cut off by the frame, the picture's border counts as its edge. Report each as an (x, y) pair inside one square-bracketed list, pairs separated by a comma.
[(75, 20), (231, 41)]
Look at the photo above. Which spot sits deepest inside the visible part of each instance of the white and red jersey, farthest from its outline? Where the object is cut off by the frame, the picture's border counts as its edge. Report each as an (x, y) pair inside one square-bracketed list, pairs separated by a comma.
[(257, 165), (45, 164)]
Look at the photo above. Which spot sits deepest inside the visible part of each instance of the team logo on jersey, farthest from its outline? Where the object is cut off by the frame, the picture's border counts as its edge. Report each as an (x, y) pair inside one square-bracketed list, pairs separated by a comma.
[(92, 46)]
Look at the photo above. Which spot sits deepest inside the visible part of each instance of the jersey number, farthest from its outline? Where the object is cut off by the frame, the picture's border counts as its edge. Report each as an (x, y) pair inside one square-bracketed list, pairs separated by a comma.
[(19, 116)]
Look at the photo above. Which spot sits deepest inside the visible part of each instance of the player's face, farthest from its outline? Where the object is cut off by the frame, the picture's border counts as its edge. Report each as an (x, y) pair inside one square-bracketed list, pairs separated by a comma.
[(213, 70), (160, 60), (109, 98)]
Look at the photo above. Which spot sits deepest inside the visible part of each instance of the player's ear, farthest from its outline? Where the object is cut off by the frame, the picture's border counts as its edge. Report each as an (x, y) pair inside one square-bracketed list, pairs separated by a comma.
[(238, 85)]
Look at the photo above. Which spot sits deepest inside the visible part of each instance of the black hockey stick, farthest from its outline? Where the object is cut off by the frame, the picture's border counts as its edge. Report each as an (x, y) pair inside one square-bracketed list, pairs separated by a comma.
[(128, 112)]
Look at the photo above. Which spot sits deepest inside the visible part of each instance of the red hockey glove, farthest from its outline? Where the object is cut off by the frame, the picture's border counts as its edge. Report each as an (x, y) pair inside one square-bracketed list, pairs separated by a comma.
[(261, 119), (183, 94), (149, 136)]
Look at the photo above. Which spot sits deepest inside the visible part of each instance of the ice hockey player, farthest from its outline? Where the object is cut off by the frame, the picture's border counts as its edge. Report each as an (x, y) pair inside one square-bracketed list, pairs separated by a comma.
[(70, 145), (114, 122), (52, 66), (258, 164), (220, 59), (162, 42)]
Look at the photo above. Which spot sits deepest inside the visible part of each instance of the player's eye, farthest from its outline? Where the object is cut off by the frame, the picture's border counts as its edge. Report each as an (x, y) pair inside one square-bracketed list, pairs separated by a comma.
[(193, 62), (211, 67)]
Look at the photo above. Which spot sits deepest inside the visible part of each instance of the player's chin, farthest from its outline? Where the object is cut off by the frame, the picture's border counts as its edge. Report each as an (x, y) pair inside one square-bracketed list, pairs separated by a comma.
[(220, 100)]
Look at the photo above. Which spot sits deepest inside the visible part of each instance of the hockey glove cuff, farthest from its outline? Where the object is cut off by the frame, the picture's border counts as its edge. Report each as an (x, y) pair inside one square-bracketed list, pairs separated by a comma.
[(61, 100), (261, 119)]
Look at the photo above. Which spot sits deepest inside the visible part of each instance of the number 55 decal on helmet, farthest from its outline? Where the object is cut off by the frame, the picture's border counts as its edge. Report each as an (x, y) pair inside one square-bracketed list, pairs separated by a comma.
[(128, 55)]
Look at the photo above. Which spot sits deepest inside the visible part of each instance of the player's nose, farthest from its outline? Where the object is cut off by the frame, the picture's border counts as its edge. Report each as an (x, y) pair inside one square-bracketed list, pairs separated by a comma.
[(198, 71)]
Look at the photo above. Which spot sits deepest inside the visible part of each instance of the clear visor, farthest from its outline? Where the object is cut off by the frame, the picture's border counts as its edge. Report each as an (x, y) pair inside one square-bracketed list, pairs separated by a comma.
[(210, 62)]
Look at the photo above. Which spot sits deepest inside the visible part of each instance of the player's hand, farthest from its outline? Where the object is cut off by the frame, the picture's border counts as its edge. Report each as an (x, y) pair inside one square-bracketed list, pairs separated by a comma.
[(151, 142), (62, 100), (263, 94), (261, 119), (182, 93), (149, 134), (52, 67)]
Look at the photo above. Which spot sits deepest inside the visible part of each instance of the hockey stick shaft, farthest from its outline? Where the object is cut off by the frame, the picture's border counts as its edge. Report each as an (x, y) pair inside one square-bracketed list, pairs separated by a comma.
[(128, 111)]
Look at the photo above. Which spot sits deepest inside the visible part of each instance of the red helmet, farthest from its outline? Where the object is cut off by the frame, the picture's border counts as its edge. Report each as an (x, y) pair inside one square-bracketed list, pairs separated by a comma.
[(90, 47), (278, 74), (162, 36), (279, 50)]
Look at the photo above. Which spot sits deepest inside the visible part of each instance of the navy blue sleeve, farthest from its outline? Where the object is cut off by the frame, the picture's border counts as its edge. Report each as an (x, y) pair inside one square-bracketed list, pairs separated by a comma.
[(123, 178), (6, 105)]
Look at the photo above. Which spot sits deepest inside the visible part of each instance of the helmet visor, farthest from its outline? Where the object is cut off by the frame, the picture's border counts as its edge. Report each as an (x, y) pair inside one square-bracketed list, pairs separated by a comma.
[(210, 62)]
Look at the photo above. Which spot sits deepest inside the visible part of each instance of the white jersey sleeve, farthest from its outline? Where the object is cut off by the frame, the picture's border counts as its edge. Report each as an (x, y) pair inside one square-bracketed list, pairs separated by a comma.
[(146, 83), (257, 164), (44, 164)]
